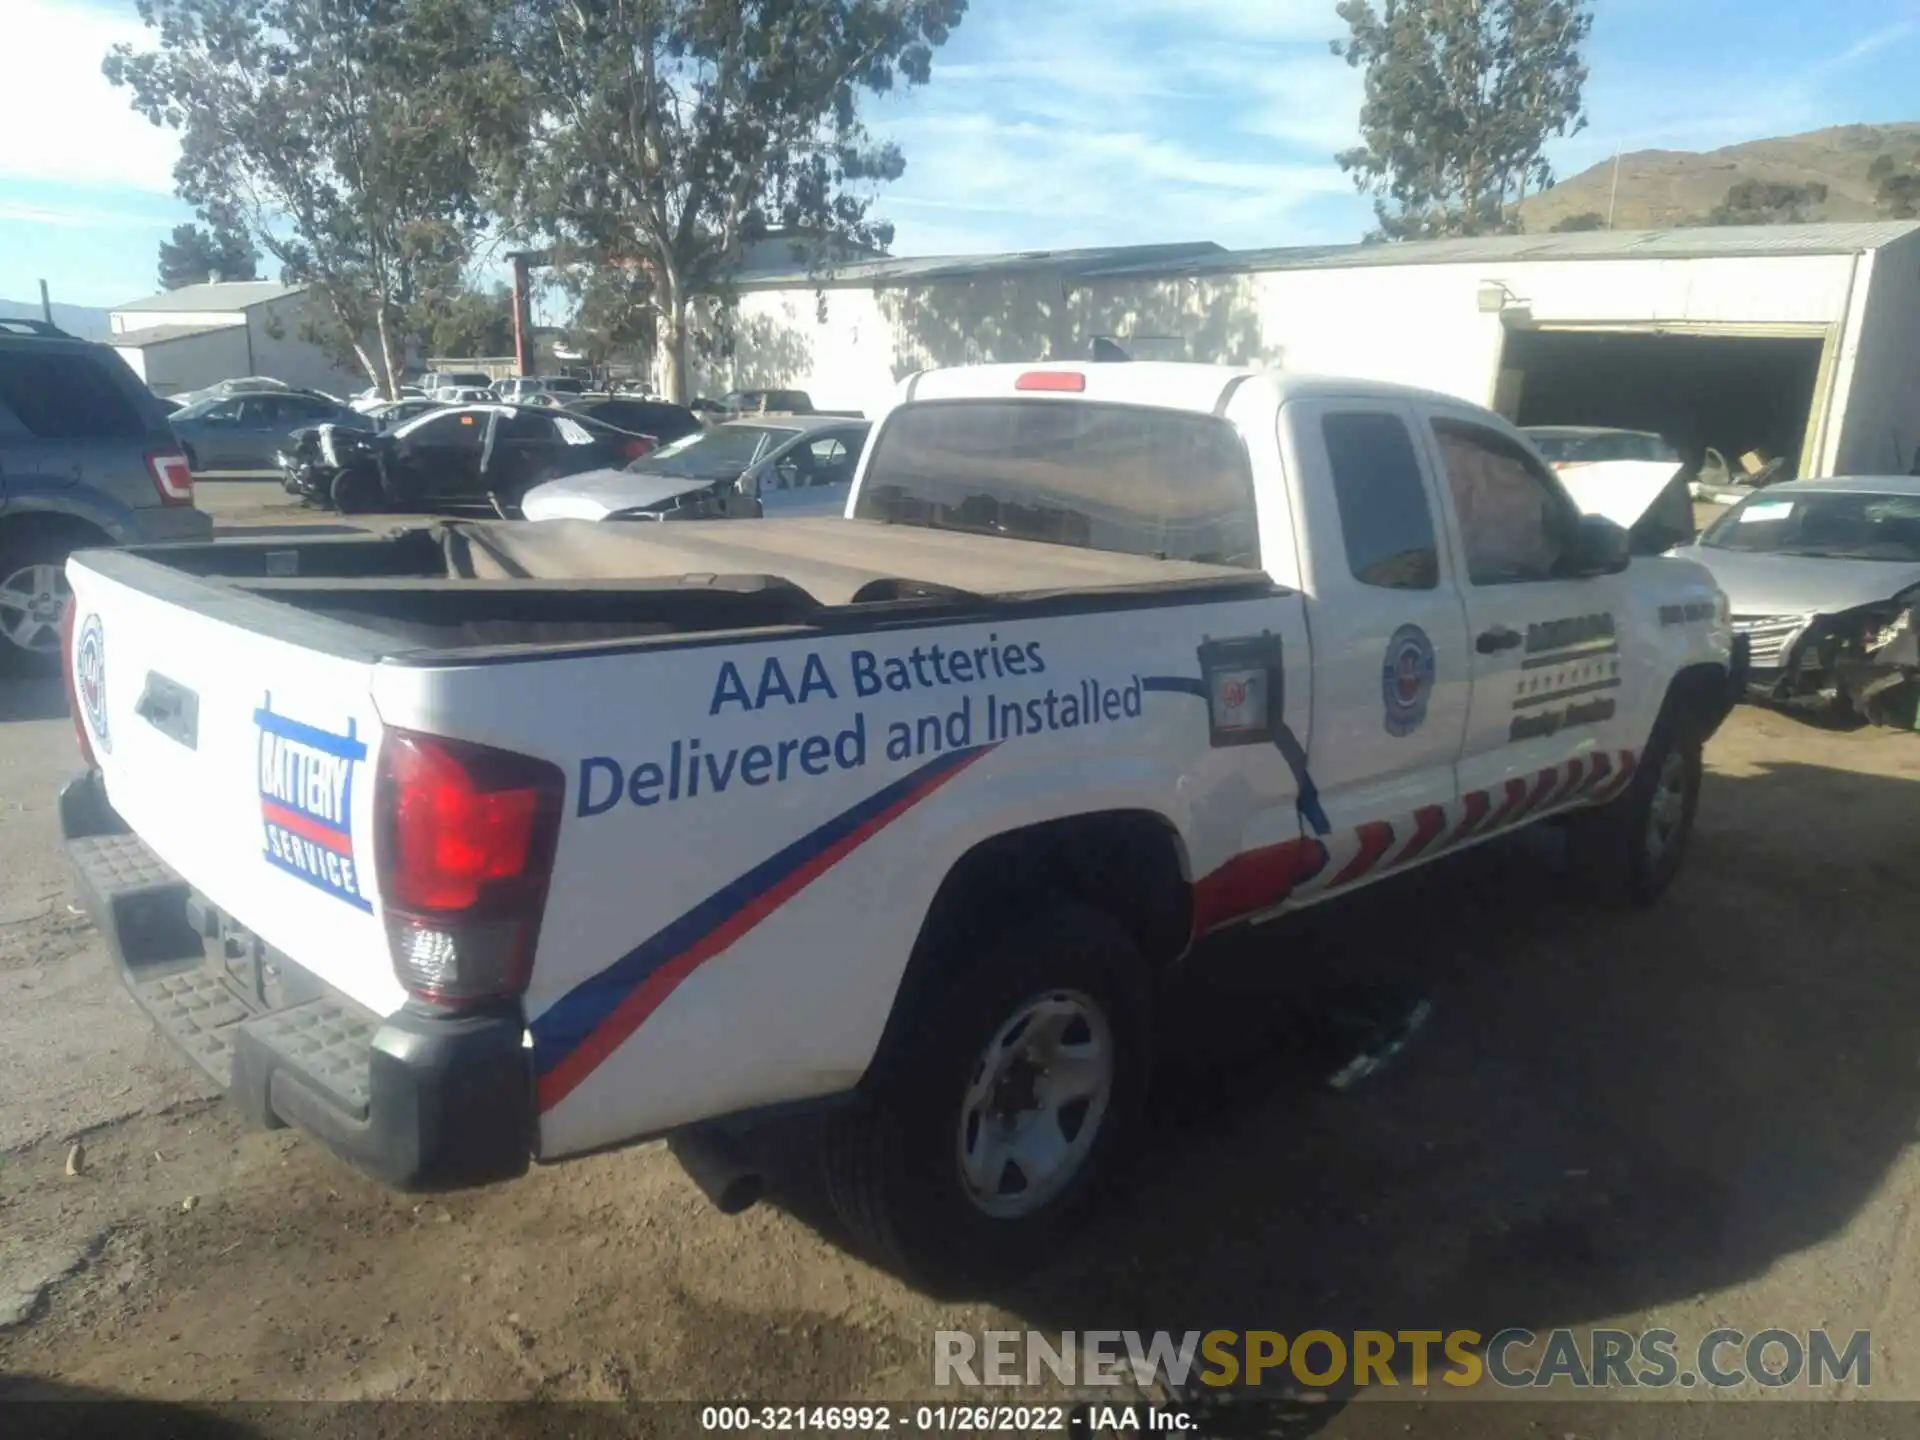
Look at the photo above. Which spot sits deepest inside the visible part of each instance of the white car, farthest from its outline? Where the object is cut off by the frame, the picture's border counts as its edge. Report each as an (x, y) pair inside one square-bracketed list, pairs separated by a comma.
[(371, 398), (522, 840)]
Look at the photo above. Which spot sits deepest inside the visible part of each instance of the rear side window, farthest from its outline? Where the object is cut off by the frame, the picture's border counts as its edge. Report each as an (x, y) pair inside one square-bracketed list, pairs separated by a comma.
[(523, 425), (1384, 515), (1130, 479), (61, 395)]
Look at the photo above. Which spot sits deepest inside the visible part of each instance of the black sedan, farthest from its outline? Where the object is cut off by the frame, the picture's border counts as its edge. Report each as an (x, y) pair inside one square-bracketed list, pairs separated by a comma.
[(663, 420), (463, 457)]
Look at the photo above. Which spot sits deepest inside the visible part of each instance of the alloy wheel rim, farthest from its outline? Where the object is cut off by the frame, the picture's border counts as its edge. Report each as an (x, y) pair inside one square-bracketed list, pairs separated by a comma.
[(33, 599), (1668, 808)]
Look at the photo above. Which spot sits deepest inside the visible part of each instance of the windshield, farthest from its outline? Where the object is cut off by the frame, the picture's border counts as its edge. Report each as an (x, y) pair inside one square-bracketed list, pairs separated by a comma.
[(1125, 478), (713, 452), (1572, 447), (1847, 526)]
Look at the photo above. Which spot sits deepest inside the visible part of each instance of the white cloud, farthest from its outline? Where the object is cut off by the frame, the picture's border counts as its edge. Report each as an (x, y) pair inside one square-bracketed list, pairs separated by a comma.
[(987, 184), (63, 122), (74, 217), (1122, 121), (1867, 45)]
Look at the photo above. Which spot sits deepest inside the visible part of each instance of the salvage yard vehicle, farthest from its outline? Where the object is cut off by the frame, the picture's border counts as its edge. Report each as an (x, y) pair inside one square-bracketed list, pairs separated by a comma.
[(451, 458), (1823, 577), (662, 419), (242, 434), (85, 459), (472, 845), (797, 465), (1633, 477)]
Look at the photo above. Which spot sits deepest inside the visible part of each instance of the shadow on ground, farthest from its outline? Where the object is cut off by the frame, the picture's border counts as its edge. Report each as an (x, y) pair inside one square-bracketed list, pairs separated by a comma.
[(1606, 1112), (240, 530), (32, 697)]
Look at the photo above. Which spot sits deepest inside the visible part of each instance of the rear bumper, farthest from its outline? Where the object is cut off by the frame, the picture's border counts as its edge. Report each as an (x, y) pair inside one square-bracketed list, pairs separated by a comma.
[(419, 1100)]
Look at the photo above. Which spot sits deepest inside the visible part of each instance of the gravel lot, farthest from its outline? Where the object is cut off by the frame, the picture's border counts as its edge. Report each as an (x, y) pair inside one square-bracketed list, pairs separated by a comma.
[(1695, 1116)]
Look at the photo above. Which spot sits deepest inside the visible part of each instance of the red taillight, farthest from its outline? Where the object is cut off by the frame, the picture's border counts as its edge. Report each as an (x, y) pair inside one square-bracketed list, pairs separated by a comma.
[(73, 689), (172, 476), (1056, 380), (641, 445), (465, 848)]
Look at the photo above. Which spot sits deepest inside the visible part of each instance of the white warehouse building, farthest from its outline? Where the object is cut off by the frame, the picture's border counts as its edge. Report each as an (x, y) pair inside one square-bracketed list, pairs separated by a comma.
[(1801, 341), (224, 330)]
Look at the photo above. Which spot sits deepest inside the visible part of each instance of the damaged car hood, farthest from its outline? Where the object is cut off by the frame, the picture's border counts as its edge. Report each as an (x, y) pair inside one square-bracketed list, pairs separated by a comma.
[(1769, 584), (596, 494)]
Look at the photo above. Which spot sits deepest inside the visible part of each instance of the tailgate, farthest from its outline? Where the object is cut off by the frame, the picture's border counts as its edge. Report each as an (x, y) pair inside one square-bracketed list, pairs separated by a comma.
[(244, 762)]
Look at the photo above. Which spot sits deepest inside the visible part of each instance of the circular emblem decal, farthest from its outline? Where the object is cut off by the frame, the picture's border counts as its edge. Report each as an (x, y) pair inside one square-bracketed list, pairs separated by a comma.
[(1406, 679), (90, 678)]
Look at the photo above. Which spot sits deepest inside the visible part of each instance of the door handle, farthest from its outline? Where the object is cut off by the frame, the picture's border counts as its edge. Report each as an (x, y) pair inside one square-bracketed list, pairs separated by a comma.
[(1491, 642)]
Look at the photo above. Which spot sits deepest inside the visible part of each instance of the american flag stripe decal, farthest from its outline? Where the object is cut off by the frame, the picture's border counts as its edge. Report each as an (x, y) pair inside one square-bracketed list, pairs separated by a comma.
[(1261, 880)]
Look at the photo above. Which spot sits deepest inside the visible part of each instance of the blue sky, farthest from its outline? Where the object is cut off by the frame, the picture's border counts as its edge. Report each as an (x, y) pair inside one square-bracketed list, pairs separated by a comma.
[(1048, 122)]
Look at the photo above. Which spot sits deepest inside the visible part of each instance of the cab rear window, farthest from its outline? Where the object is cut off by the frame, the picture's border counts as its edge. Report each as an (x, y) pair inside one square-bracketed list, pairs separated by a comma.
[(1123, 478)]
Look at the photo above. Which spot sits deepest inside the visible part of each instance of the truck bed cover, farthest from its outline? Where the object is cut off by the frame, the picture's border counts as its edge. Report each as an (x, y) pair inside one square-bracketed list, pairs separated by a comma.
[(830, 558)]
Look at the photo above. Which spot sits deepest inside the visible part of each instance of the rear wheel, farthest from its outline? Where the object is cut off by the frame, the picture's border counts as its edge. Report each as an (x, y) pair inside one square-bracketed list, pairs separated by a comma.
[(1630, 849), (1018, 1087), (34, 598)]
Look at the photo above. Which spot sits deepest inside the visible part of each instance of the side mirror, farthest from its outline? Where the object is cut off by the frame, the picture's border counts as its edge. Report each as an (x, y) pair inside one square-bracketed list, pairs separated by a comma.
[(1598, 547)]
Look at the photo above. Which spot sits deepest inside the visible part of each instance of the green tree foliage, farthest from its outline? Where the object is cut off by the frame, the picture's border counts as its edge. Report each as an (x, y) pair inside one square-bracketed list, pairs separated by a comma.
[(468, 322), (1767, 202), (670, 132), (1585, 220), (342, 135), (1898, 195), (1461, 99), (191, 255), (612, 310), (1896, 190)]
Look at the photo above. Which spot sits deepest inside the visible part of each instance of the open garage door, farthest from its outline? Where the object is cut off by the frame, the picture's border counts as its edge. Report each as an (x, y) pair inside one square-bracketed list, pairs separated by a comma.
[(1734, 393)]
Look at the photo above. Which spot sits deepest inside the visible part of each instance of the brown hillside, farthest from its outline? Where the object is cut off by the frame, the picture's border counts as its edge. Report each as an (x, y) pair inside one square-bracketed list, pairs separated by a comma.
[(1666, 187)]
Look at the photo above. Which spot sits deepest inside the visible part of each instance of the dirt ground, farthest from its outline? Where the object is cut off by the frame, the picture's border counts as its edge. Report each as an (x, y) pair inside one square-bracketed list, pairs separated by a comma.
[(1698, 1115)]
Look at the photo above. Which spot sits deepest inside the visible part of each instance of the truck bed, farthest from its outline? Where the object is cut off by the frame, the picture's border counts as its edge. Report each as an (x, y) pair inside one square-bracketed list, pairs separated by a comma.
[(417, 592)]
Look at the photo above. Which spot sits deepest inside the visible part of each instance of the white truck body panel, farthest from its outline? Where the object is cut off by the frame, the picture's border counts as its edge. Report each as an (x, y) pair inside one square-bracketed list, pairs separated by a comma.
[(271, 810), (936, 772), (756, 824)]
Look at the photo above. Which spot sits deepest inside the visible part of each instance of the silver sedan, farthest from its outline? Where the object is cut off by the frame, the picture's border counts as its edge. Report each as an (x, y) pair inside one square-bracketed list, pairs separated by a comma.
[(1823, 578)]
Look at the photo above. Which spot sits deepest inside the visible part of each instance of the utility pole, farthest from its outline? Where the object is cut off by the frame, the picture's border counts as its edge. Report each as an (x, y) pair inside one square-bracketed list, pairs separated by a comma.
[(1614, 195), (46, 304)]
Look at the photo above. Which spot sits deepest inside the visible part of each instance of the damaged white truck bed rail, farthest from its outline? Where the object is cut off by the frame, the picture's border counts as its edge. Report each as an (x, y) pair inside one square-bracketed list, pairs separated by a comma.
[(466, 846)]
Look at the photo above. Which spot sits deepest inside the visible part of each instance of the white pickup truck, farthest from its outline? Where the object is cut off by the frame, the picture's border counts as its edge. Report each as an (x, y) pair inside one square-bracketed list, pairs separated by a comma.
[(476, 844)]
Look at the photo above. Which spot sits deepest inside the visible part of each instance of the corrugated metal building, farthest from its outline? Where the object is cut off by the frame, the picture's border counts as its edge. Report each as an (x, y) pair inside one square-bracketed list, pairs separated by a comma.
[(224, 330), (1800, 341)]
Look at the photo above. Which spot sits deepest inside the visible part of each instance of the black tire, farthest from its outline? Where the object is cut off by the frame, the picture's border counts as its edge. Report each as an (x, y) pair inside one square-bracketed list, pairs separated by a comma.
[(22, 605), (1618, 853), (893, 1163), (355, 491)]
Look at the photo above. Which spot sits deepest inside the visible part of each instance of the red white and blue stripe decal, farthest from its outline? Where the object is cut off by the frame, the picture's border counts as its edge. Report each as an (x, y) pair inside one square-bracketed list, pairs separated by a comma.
[(1262, 880), (574, 1035)]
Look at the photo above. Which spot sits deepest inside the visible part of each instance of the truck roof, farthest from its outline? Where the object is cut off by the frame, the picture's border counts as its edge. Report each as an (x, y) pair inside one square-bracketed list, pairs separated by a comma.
[(1167, 384)]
